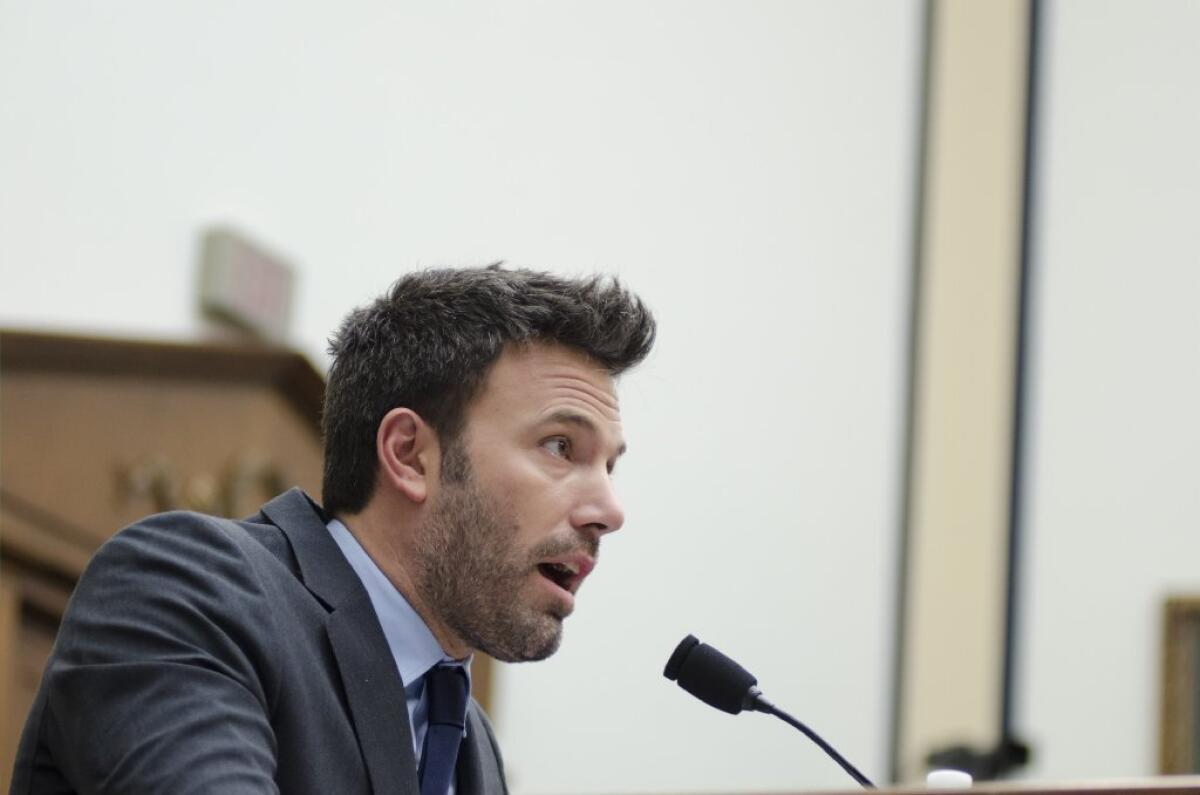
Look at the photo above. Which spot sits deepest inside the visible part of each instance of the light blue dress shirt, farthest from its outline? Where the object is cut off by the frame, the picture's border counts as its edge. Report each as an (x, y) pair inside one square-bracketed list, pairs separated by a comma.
[(413, 646)]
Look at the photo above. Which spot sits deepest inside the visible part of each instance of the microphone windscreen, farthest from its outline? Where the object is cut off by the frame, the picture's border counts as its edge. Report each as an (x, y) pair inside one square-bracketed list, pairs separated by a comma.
[(709, 675)]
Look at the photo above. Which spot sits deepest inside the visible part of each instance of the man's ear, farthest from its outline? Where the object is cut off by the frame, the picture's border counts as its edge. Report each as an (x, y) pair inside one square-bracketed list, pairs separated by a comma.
[(406, 448)]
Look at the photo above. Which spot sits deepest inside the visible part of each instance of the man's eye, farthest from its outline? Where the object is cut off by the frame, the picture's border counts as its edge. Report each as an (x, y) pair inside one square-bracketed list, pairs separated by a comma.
[(559, 446)]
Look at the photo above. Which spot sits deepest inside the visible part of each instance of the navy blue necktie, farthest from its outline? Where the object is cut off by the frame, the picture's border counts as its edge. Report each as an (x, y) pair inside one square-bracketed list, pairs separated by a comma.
[(446, 691)]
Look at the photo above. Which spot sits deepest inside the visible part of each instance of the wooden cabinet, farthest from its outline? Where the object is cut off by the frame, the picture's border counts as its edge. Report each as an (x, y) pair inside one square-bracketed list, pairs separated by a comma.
[(96, 433)]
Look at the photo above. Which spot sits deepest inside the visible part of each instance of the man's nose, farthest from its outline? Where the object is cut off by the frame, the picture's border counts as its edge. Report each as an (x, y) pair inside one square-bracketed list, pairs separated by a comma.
[(599, 511)]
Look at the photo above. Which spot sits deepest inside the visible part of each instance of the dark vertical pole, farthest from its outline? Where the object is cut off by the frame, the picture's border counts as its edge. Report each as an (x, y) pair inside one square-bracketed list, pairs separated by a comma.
[(1020, 381), (909, 434)]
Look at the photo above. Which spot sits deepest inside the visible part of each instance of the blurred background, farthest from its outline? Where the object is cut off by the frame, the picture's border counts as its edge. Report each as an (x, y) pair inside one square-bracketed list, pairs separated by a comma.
[(918, 444)]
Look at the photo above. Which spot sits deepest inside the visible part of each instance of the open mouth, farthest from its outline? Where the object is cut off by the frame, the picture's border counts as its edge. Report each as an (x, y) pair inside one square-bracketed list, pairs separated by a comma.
[(567, 572), (564, 575)]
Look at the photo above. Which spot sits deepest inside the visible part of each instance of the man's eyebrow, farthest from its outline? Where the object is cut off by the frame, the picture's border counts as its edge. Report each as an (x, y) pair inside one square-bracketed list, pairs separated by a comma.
[(582, 420)]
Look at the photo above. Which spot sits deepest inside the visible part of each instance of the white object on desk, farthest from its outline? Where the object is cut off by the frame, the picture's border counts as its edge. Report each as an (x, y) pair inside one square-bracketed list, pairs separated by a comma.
[(948, 779)]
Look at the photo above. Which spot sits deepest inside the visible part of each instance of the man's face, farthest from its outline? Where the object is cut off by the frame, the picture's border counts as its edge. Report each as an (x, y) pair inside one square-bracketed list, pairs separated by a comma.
[(506, 547)]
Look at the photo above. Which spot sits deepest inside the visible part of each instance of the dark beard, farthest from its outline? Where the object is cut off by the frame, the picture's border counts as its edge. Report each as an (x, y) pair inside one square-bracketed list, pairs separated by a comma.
[(471, 577)]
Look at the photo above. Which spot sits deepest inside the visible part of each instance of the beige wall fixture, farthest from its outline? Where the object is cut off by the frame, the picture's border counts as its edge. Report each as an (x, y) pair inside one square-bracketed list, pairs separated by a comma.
[(966, 322)]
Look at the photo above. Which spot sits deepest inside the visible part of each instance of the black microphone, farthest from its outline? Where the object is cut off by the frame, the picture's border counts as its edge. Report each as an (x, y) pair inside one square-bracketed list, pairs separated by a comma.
[(720, 682)]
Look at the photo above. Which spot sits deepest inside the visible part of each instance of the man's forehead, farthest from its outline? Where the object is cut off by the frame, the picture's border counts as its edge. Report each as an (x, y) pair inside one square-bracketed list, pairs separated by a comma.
[(554, 370), (539, 384), (595, 389)]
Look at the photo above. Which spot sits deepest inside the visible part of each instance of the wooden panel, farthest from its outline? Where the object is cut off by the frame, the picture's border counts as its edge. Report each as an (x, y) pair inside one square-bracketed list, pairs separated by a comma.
[(10, 713), (1178, 785), (55, 547), (274, 369), (98, 453), (31, 606)]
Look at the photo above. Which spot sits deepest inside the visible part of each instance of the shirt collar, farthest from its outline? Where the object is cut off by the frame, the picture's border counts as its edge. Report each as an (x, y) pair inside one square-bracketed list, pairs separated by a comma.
[(413, 646)]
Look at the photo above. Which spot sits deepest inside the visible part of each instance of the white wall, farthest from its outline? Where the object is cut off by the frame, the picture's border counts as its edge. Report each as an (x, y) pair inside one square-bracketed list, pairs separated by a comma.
[(1114, 512), (746, 166)]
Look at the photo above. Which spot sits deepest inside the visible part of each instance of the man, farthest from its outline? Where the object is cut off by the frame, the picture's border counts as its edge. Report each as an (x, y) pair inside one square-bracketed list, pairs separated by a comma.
[(471, 429)]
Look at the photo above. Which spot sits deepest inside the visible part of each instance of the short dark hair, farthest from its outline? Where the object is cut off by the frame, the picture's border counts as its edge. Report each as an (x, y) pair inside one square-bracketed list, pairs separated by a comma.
[(428, 343)]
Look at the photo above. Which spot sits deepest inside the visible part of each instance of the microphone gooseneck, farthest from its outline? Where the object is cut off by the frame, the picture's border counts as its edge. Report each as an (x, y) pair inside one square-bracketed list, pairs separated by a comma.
[(720, 682)]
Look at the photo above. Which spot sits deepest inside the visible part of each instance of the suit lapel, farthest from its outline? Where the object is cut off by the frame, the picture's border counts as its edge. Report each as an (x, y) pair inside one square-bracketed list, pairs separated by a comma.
[(373, 688), (478, 771), (376, 698)]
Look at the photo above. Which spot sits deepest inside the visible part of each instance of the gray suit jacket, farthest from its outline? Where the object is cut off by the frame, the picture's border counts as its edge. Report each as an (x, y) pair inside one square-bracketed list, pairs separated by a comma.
[(202, 655)]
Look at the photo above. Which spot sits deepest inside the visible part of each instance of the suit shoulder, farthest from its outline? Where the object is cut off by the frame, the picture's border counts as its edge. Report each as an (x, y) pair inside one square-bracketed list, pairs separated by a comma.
[(172, 581), (194, 537), (179, 558)]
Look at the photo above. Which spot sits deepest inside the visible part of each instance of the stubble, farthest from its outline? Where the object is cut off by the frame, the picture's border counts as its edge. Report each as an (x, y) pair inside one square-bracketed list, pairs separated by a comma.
[(472, 575)]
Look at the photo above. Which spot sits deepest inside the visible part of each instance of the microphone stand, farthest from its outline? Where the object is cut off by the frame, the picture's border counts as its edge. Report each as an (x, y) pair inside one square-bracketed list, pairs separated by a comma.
[(756, 702), (720, 682)]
